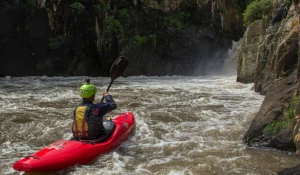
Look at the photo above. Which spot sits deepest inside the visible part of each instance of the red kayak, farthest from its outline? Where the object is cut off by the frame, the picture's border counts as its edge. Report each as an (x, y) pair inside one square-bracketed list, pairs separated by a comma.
[(66, 153)]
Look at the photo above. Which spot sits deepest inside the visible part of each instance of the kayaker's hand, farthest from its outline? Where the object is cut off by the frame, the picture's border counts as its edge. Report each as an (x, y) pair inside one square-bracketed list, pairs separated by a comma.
[(104, 93)]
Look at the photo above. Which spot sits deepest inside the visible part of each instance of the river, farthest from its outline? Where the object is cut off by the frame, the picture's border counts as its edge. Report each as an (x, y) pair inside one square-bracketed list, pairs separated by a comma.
[(184, 125)]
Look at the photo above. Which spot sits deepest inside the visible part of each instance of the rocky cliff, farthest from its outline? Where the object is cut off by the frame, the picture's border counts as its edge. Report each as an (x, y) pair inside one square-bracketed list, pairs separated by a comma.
[(84, 37), (269, 58)]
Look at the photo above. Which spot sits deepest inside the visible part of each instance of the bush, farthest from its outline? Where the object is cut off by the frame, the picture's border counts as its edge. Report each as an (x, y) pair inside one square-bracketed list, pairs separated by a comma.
[(287, 121), (289, 113), (275, 127), (53, 42), (139, 40), (32, 2), (153, 38), (15, 2), (111, 26), (173, 21), (184, 16), (78, 7), (123, 16), (100, 7), (122, 4), (255, 10)]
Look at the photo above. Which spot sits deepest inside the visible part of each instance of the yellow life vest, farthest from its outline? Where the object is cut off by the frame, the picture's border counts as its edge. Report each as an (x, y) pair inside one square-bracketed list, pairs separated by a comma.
[(80, 126)]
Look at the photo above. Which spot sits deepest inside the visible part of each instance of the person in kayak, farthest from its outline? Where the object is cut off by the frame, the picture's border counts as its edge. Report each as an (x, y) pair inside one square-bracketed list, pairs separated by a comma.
[(88, 117)]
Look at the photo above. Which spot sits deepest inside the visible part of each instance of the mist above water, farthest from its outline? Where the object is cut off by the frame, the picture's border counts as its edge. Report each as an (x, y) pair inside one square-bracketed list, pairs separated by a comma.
[(222, 64)]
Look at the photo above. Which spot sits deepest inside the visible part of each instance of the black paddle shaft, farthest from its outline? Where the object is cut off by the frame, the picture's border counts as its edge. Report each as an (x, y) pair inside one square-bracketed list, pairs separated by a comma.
[(117, 69)]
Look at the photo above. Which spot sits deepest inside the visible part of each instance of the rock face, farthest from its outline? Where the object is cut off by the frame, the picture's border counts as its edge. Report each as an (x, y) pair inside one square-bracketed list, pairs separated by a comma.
[(65, 38), (269, 58), (290, 171), (22, 40), (164, 5), (227, 12), (247, 56), (272, 110)]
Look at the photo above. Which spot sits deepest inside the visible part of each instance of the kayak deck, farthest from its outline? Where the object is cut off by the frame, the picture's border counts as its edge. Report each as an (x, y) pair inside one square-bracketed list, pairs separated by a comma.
[(66, 153)]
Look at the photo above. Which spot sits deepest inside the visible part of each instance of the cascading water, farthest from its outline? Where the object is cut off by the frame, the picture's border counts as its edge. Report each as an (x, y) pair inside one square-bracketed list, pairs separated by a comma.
[(184, 125)]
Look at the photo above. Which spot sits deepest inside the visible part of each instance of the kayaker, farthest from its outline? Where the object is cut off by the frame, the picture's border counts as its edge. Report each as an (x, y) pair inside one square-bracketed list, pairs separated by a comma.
[(88, 117)]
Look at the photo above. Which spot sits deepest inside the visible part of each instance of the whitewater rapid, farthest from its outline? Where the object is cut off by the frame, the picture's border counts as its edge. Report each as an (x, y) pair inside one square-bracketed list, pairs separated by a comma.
[(184, 125)]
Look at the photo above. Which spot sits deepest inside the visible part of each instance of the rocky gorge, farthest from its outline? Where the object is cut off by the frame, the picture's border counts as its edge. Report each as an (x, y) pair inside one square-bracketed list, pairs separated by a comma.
[(65, 38), (163, 37), (268, 57)]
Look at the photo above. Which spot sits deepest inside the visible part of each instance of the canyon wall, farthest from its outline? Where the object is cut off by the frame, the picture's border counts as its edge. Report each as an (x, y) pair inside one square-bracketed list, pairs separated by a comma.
[(84, 37)]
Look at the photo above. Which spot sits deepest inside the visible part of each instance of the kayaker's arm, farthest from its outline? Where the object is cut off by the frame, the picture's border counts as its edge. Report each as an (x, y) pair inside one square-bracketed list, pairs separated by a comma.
[(110, 102), (106, 105)]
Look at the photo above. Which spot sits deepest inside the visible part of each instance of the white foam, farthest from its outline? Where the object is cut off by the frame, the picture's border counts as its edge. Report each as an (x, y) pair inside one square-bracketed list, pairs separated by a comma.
[(198, 120)]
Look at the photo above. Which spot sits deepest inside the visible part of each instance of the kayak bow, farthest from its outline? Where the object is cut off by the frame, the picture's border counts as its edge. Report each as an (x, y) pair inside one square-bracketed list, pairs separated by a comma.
[(67, 153)]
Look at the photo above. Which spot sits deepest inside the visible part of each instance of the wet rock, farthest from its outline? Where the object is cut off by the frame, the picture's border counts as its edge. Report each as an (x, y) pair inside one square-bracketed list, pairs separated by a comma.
[(281, 13), (269, 59), (45, 68), (247, 56), (290, 171), (272, 110)]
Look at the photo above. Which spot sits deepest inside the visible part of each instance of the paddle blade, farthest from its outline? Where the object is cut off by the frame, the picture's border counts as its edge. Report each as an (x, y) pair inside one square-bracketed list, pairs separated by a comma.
[(118, 67)]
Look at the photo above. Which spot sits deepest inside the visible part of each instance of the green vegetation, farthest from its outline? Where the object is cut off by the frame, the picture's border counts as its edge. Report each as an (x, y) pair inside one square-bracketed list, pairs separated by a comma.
[(256, 9), (289, 113), (139, 40), (123, 16), (287, 120), (53, 42), (173, 21), (79, 8), (122, 4), (112, 26), (184, 16), (15, 2), (189, 4), (222, 9), (32, 2), (275, 127), (153, 38), (100, 7)]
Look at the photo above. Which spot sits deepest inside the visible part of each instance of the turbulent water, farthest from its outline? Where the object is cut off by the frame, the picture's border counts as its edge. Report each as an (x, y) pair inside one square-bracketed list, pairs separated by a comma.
[(184, 125)]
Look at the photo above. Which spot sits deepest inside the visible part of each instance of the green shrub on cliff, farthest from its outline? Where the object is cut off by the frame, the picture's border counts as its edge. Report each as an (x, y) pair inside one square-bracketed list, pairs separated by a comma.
[(79, 8), (53, 42), (289, 113), (154, 39), (173, 21), (15, 2), (112, 26), (256, 9), (275, 127), (183, 16), (139, 40), (124, 17), (189, 4), (100, 7), (32, 2), (122, 4), (287, 120)]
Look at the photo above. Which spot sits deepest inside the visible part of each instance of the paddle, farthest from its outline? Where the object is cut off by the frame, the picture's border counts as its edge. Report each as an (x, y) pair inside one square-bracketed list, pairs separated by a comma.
[(117, 69)]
